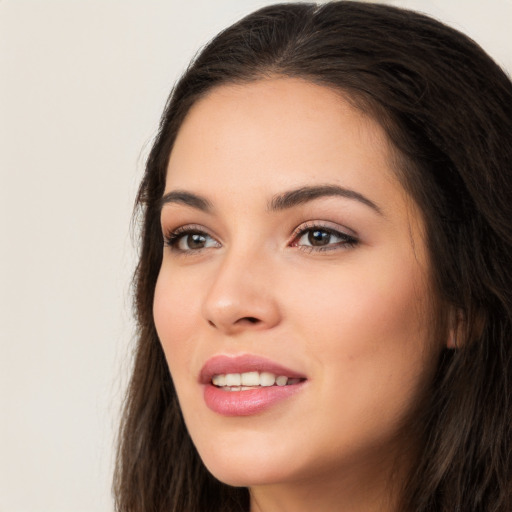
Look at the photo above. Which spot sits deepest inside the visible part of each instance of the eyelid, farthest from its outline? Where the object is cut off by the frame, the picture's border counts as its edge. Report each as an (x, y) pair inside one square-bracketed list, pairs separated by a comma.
[(172, 236), (329, 227), (348, 237)]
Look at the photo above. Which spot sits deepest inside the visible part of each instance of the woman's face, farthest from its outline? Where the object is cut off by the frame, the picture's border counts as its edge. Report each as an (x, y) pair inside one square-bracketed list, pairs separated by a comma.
[(292, 253)]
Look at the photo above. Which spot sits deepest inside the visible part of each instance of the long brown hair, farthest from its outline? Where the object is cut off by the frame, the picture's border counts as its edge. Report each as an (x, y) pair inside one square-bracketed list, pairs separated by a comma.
[(447, 108)]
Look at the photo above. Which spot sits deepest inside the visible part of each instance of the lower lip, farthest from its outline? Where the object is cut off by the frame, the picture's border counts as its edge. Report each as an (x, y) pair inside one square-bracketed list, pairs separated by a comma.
[(248, 402)]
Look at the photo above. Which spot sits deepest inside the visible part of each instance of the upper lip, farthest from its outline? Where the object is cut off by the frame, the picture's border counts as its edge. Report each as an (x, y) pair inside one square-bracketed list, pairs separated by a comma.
[(223, 364)]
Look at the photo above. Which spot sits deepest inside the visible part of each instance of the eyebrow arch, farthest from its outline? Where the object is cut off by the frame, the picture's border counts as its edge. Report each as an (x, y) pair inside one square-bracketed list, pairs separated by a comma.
[(305, 194), (282, 201), (186, 198)]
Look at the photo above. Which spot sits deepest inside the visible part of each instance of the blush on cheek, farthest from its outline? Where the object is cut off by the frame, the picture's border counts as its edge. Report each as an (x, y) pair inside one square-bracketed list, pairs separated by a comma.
[(373, 316), (176, 326), (169, 313)]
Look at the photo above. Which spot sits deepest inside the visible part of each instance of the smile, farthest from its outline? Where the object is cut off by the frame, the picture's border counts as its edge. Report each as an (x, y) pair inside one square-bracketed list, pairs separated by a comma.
[(251, 380), (247, 384)]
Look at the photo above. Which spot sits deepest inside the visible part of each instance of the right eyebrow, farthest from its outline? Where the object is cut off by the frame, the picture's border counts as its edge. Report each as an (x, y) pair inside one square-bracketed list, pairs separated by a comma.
[(186, 198)]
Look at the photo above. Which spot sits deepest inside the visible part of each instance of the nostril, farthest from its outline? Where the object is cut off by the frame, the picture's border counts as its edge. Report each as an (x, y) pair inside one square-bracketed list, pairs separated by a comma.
[(250, 319), (245, 319)]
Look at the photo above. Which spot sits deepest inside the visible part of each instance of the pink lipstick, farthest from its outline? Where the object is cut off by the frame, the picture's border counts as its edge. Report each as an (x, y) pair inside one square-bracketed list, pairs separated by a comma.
[(247, 384)]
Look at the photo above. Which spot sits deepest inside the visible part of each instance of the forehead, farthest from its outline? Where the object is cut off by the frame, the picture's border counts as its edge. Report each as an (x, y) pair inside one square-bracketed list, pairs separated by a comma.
[(277, 133), (274, 121)]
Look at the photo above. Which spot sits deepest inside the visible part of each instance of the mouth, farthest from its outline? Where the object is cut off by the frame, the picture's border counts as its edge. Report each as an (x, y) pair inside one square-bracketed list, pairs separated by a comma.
[(247, 384), (251, 380)]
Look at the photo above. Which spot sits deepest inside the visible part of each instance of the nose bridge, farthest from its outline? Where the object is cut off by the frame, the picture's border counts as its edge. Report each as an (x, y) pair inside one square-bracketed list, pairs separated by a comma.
[(241, 295)]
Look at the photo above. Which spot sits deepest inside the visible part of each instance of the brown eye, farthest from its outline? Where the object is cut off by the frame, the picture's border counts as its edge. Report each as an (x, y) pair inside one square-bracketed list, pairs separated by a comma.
[(318, 237), (192, 241)]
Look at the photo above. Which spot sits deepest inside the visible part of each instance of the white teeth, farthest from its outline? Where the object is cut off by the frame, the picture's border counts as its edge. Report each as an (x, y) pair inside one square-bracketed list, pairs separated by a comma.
[(219, 380), (236, 388), (281, 380), (233, 379), (267, 379), (250, 380)]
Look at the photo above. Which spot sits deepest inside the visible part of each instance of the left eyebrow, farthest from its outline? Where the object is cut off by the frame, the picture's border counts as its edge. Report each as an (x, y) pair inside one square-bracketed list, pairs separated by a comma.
[(187, 199), (303, 195)]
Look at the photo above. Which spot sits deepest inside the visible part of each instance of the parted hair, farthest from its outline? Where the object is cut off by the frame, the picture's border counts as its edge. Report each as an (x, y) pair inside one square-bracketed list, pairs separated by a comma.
[(446, 107)]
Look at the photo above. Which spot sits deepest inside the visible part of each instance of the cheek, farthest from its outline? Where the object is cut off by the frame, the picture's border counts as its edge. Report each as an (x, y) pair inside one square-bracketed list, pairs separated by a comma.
[(364, 302), (369, 335), (175, 324)]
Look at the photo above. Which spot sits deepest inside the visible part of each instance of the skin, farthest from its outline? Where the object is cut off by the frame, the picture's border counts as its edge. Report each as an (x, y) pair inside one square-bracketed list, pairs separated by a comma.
[(355, 318)]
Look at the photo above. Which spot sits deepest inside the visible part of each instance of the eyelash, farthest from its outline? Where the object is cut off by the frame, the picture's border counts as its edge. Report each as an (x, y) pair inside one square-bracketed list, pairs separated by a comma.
[(173, 238), (347, 241)]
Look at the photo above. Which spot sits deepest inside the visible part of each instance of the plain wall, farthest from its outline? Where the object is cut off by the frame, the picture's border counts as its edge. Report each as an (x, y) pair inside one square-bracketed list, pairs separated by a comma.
[(82, 86)]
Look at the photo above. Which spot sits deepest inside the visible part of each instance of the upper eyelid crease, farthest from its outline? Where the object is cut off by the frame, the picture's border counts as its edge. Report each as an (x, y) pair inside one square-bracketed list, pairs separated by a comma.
[(326, 226)]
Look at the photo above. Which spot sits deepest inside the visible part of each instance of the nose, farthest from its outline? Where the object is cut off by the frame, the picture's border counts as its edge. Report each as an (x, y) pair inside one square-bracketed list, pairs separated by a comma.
[(241, 296)]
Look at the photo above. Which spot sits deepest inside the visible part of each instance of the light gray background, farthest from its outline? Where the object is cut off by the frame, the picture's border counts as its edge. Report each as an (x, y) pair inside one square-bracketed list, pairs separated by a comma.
[(82, 86)]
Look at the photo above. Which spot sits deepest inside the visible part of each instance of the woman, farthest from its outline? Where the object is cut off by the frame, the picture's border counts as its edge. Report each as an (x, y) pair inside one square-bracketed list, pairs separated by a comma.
[(323, 293)]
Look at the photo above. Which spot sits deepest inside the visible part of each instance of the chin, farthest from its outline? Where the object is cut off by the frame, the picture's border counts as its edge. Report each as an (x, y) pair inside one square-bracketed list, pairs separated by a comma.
[(242, 476), (246, 468)]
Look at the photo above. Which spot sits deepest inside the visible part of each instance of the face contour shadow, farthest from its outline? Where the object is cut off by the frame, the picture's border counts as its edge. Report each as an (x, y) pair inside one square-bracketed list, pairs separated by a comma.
[(291, 240)]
